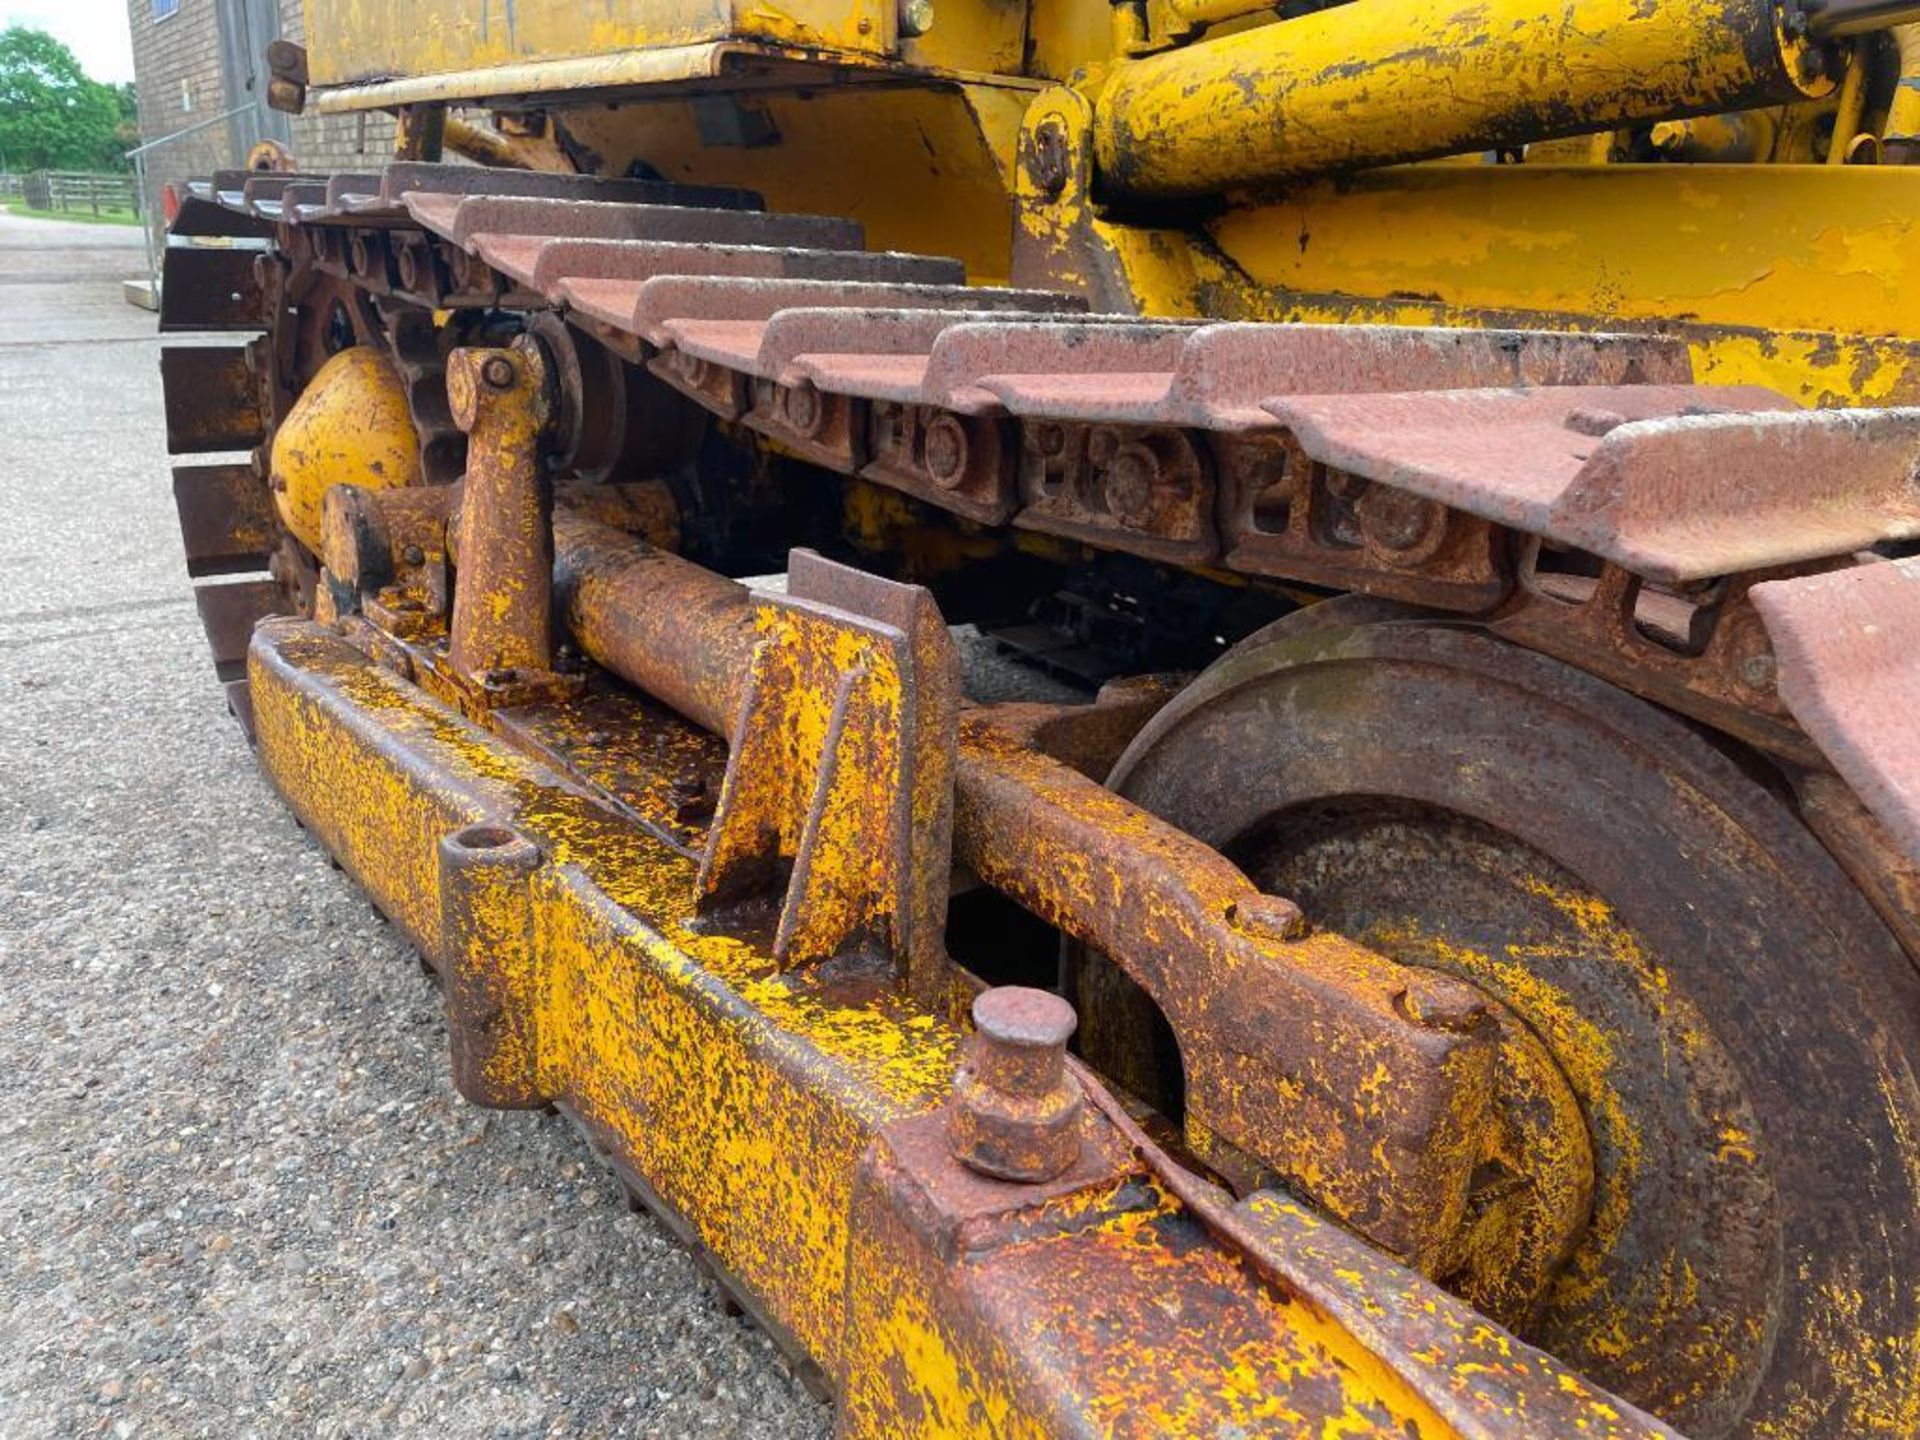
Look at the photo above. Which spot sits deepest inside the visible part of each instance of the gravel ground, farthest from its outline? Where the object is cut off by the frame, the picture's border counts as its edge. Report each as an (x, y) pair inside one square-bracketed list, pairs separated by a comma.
[(237, 1195)]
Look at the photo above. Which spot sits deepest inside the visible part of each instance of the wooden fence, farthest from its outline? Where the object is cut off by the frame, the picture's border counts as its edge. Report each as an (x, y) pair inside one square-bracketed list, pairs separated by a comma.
[(77, 190)]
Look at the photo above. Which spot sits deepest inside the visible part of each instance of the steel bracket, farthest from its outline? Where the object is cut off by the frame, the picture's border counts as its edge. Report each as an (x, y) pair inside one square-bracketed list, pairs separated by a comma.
[(838, 795), (502, 651)]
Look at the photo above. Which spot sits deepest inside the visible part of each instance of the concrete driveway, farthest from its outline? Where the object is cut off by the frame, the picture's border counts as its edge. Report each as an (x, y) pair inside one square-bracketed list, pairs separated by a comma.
[(237, 1194)]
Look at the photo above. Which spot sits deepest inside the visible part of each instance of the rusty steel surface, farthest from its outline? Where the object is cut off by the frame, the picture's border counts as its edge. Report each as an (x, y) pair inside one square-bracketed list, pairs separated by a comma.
[(1708, 482), (1846, 644), (210, 288), (871, 1239), (213, 399), (838, 797), (1710, 1118), (1574, 1064), (1394, 461), (502, 625), (227, 523), (1017, 1113), (1706, 655), (1371, 1087)]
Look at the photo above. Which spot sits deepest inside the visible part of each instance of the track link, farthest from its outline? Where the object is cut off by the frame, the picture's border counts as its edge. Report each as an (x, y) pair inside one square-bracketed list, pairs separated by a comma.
[(1579, 493)]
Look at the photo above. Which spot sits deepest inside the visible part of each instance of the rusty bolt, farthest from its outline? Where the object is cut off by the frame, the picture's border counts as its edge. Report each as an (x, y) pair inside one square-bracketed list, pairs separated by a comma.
[(1016, 1112), (1130, 480), (1399, 520), (1757, 671), (1051, 162), (946, 452), (413, 555), (801, 405), (1262, 469), (1440, 1002), (1268, 917), (471, 373)]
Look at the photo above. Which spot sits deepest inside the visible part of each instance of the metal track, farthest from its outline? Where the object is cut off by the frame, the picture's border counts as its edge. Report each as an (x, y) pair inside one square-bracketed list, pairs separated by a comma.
[(1579, 493)]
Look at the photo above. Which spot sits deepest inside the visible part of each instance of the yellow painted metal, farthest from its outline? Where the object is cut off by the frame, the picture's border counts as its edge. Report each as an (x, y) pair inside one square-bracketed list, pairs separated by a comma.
[(1358, 85), (350, 426), (927, 169), (1066, 243), (361, 40), (503, 607), (486, 146), (773, 1113), (1801, 278), (1804, 278), (1065, 37), (969, 38), (1742, 137)]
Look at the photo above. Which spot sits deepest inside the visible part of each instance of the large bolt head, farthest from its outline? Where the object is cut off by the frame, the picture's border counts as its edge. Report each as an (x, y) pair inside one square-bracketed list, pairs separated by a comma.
[(1016, 1113), (803, 408), (1133, 474), (945, 448), (497, 372)]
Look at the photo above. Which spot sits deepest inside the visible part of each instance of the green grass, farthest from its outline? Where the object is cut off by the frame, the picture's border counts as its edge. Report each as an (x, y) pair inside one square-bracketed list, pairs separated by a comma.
[(18, 206)]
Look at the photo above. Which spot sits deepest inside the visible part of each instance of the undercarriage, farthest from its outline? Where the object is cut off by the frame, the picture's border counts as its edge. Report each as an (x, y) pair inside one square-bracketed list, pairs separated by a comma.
[(1474, 903)]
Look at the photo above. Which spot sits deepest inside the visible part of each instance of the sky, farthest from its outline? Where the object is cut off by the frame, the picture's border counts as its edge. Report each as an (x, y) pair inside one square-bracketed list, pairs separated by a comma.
[(95, 30)]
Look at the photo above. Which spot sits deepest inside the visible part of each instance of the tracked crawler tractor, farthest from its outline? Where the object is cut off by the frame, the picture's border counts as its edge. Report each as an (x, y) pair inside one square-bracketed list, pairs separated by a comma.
[(1454, 972)]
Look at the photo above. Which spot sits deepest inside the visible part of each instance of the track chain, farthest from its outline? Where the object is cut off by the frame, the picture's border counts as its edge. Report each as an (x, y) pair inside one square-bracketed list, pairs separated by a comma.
[(1579, 493)]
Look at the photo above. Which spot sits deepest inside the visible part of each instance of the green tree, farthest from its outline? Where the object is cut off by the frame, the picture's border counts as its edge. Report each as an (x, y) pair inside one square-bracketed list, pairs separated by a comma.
[(52, 117), (126, 127)]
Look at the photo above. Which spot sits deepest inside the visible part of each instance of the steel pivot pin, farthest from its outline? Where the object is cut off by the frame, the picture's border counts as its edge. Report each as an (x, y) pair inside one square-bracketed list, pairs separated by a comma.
[(1016, 1111)]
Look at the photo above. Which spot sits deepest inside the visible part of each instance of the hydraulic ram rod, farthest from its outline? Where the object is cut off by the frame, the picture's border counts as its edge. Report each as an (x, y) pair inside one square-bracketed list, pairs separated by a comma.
[(1370, 84)]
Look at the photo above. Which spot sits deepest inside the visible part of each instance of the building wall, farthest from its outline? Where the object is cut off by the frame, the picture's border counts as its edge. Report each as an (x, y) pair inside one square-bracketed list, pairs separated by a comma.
[(328, 143), (176, 69), (179, 82)]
